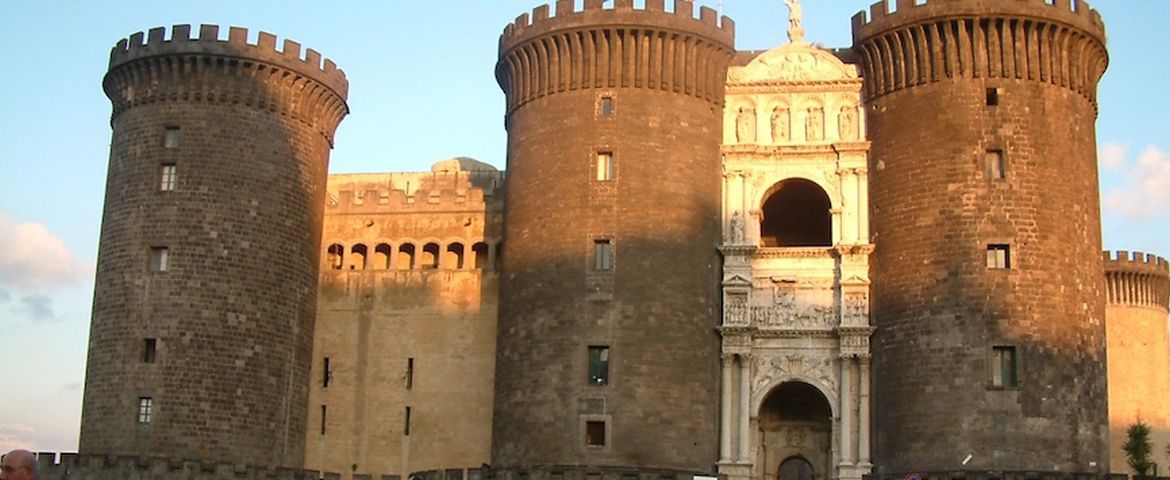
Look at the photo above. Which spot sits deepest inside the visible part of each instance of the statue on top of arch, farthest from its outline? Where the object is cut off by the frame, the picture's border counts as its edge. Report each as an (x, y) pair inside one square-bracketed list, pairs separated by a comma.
[(795, 20)]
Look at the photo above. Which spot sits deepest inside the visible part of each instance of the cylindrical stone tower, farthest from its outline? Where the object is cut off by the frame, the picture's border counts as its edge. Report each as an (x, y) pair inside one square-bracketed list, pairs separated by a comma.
[(989, 352), (1138, 290), (607, 351), (203, 313)]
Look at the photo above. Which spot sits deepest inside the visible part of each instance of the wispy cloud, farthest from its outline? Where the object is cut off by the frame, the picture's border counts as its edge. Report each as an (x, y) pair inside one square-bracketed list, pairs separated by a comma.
[(33, 257), (1143, 190), (16, 435), (38, 307), (4, 295)]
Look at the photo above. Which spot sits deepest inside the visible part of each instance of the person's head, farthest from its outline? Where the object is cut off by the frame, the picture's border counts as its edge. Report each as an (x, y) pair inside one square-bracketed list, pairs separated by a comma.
[(19, 465)]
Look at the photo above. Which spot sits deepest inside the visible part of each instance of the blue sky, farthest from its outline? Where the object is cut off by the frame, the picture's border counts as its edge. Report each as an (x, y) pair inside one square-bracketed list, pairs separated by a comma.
[(421, 90)]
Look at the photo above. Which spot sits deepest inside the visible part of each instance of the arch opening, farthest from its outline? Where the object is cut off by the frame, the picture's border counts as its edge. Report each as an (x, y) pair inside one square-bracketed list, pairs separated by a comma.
[(335, 256), (357, 257), (797, 213), (382, 257), (796, 432)]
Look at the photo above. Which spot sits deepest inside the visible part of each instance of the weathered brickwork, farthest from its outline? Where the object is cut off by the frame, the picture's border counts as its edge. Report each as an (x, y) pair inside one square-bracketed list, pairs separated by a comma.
[(240, 218), (1138, 290), (656, 306), (401, 334), (941, 310)]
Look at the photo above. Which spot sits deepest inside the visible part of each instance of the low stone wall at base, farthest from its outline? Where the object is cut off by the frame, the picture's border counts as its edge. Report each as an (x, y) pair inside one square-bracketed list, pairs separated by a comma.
[(1004, 475), (72, 466)]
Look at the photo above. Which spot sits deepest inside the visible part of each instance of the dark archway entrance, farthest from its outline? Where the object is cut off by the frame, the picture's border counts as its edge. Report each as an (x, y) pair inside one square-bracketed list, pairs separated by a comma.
[(796, 433), (797, 214)]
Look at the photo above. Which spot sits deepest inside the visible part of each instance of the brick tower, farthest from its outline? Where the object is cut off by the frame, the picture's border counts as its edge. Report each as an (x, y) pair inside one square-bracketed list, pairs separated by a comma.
[(207, 269), (609, 289), (1138, 289), (988, 300)]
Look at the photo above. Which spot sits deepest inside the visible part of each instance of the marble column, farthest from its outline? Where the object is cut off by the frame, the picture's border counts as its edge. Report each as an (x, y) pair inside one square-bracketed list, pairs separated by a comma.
[(745, 382), (863, 411), (845, 405), (725, 410)]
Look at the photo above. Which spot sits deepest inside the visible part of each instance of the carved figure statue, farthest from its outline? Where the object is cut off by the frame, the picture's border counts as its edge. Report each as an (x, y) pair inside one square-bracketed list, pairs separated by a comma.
[(847, 123), (745, 125), (814, 124), (795, 19), (737, 228), (779, 125)]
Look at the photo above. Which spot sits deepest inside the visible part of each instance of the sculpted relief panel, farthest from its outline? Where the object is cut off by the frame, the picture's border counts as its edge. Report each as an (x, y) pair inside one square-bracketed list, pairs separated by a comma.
[(788, 307), (779, 367)]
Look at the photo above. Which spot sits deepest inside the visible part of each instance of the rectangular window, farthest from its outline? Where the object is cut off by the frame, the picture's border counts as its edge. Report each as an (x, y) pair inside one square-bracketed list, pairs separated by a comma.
[(145, 409), (599, 365), (996, 165), (999, 256), (1004, 371), (159, 258), (606, 167), (607, 106), (324, 413), (595, 433), (325, 374), (992, 97), (168, 178), (149, 351), (171, 137), (409, 373), (602, 255), (406, 422)]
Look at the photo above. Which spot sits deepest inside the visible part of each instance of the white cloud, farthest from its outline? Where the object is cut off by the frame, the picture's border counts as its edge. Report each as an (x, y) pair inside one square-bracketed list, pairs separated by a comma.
[(32, 257), (1112, 156), (16, 435), (1143, 190), (4, 295)]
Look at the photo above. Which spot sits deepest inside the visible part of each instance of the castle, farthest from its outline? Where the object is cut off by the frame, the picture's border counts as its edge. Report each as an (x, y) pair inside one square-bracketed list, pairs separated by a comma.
[(802, 263)]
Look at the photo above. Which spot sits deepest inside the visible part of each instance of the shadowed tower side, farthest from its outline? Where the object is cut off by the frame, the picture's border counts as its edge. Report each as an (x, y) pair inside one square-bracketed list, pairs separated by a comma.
[(207, 269), (1138, 289), (607, 353), (988, 299)]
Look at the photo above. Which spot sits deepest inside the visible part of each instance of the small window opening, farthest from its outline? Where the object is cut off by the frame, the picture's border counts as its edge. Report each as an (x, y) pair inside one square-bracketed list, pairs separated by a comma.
[(602, 255), (171, 137), (326, 374), (324, 414), (149, 350), (382, 257), (335, 256), (599, 365), (595, 433), (454, 257), (169, 176), (999, 256), (606, 166), (145, 409), (409, 373), (607, 106), (1004, 372), (480, 250), (406, 256), (406, 422), (996, 165), (357, 257), (992, 97), (159, 259)]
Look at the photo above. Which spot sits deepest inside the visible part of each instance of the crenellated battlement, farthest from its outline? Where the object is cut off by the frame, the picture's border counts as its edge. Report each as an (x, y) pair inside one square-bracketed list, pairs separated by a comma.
[(554, 51), (1060, 43), (1137, 279), (289, 56), (887, 15), (416, 191), (544, 19)]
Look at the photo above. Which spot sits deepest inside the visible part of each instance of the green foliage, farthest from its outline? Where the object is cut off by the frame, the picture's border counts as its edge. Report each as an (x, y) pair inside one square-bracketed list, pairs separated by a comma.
[(1137, 449)]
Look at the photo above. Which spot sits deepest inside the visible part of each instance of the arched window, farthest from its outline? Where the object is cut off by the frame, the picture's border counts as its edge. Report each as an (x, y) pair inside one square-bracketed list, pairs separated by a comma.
[(796, 214), (480, 251), (454, 256), (796, 468), (382, 257), (335, 256), (357, 257), (430, 256), (406, 256)]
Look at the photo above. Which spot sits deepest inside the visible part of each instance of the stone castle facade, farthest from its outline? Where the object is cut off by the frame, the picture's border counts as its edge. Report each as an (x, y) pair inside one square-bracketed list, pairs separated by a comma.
[(799, 263)]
